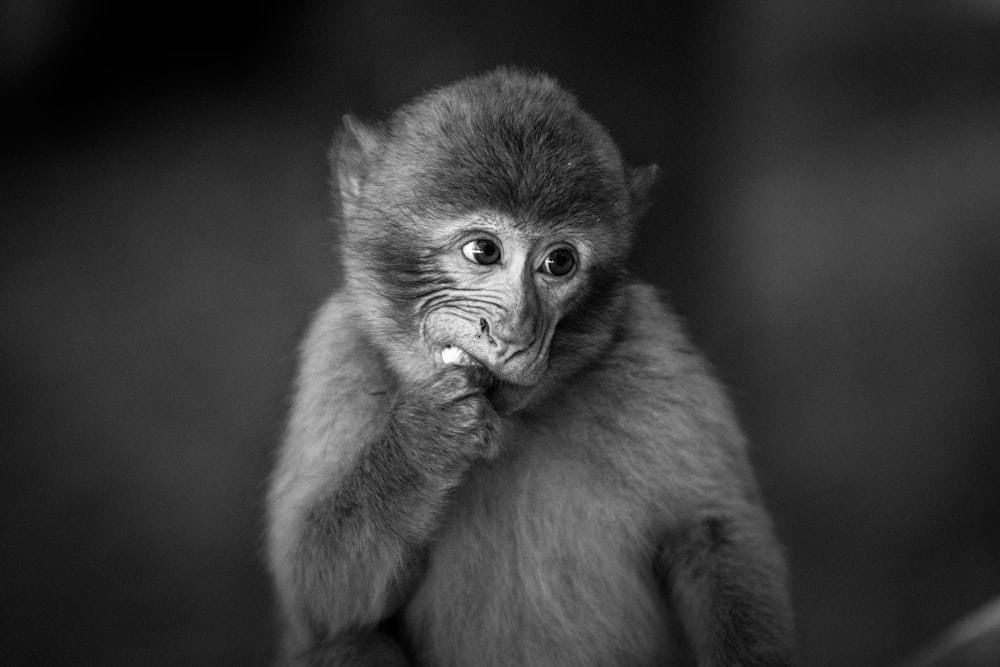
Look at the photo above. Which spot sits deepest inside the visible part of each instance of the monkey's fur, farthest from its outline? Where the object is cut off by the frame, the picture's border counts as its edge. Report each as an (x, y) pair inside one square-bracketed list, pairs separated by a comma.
[(575, 489)]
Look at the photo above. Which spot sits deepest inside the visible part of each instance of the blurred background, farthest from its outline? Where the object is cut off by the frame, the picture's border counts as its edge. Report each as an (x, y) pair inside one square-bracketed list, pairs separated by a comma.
[(828, 222)]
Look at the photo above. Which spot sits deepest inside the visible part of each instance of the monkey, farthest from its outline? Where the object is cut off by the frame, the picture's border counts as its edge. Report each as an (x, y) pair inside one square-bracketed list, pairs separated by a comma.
[(502, 448)]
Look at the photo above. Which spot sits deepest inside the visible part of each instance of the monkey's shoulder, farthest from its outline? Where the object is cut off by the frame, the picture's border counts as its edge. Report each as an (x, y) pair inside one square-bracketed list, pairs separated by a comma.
[(341, 389), (651, 334), (336, 350), (651, 402), (651, 362)]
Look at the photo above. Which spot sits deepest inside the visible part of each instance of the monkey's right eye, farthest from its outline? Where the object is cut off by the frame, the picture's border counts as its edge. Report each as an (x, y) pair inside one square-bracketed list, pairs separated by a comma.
[(482, 251)]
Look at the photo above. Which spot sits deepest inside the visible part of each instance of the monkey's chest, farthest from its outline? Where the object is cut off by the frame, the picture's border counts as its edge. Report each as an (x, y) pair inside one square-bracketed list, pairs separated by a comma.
[(541, 561)]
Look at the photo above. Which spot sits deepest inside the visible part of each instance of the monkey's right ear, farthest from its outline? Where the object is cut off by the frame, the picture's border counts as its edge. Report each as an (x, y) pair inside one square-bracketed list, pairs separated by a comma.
[(354, 147), (641, 181)]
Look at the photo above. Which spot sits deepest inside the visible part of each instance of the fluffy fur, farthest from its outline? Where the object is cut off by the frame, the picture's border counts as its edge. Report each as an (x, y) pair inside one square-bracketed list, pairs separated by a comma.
[(581, 494)]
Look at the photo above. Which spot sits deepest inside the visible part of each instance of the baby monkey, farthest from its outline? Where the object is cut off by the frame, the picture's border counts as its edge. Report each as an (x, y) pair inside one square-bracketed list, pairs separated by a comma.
[(502, 448)]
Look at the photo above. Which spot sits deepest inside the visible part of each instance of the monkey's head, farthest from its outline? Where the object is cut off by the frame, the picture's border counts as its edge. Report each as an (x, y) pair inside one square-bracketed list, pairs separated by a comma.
[(488, 222)]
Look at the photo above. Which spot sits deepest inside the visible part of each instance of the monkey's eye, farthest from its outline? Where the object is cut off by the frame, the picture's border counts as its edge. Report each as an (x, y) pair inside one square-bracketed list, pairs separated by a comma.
[(482, 251), (559, 262)]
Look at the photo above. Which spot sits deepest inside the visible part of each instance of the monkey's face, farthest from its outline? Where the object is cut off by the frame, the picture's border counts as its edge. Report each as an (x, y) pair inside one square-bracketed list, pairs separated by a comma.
[(506, 290), (489, 290)]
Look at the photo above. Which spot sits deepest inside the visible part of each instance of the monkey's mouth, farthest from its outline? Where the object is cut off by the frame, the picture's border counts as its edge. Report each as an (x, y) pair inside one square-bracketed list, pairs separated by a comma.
[(453, 355), (506, 397), (506, 393)]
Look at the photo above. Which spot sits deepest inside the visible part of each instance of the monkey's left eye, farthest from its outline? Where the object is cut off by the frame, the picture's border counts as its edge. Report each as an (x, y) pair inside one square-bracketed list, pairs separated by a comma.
[(559, 262), (482, 251)]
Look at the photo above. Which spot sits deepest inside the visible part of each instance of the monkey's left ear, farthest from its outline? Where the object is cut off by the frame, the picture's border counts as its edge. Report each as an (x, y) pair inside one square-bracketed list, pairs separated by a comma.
[(641, 181), (351, 155)]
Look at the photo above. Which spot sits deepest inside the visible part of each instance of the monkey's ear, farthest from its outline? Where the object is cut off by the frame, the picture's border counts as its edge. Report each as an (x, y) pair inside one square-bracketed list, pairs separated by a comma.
[(641, 181), (351, 155)]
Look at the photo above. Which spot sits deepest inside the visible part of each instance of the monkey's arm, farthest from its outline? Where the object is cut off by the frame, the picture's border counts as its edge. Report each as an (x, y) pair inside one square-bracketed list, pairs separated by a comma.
[(724, 575), (359, 487), (717, 560)]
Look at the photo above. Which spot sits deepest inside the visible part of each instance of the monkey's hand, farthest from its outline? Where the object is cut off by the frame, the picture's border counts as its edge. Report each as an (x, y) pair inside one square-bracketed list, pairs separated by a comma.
[(448, 418)]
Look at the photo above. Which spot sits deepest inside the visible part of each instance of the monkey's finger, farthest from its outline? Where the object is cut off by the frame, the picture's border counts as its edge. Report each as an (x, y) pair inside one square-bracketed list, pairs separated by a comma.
[(481, 377)]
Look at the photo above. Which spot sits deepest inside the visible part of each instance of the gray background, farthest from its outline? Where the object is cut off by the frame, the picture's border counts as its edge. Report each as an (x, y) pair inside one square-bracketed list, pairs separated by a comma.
[(827, 222)]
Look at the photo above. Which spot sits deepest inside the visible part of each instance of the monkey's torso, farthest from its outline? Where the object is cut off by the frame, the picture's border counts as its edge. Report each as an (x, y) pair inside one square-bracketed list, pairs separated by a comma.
[(546, 555)]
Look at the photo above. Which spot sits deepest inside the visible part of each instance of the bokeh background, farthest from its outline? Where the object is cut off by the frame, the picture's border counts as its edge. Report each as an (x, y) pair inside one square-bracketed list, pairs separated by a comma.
[(828, 222)]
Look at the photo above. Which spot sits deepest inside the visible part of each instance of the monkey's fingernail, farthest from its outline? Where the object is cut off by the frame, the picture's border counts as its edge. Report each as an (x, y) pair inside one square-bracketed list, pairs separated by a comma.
[(456, 356)]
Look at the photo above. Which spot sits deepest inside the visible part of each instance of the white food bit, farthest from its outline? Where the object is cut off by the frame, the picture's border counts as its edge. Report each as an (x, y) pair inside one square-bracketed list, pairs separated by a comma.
[(456, 356)]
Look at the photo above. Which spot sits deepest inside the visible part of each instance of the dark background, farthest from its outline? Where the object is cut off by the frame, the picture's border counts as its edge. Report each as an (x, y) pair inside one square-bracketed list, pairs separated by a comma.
[(828, 222)]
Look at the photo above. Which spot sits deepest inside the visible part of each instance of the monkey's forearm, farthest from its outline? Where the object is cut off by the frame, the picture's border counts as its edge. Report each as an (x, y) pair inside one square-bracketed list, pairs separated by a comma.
[(360, 544), (361, 541), (726, 580), (349, 521)]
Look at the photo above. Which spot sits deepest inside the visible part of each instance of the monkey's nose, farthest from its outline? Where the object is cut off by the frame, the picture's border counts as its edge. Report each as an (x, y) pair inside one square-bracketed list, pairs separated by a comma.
[(503, 343), (505, 337)]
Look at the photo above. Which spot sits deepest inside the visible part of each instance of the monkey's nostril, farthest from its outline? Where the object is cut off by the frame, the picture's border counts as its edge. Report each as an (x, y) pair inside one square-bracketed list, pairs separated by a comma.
[(484, 330)]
